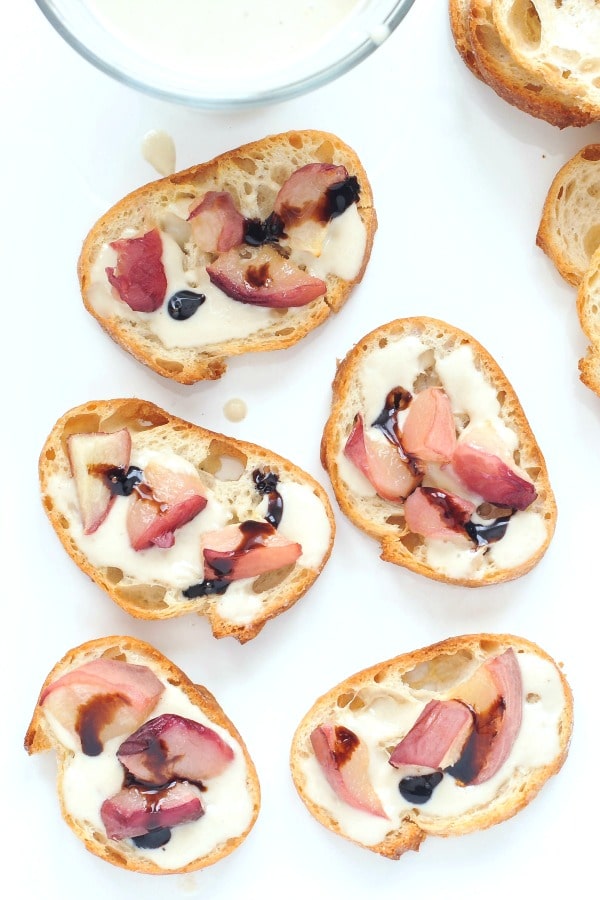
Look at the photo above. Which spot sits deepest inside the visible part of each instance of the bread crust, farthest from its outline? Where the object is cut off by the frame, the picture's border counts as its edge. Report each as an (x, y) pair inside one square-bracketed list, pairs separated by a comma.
[(588, 305), (382, 519), (459, 26), (434, 668), (40, 738), (569, 229), (552, 42), (203, 449), (252, 173), (513, 83)]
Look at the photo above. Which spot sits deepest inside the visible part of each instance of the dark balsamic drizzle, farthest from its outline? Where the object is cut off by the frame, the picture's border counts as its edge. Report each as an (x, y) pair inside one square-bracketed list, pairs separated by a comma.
[(153, 839), (266, 485), (419, 788), (206, 588), (122, 482), (342, 195), (396, 401), (183, 304), (267, 231), (487, 532)]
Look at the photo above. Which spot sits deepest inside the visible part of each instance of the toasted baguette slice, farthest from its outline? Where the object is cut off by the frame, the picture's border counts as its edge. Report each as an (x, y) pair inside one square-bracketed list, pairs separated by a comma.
[(368, 800), (569, 230), (510, 80), (588, 310), (557, 43), (412, 355), (197, 348), (149, 583), (459, 25), (85, 781)]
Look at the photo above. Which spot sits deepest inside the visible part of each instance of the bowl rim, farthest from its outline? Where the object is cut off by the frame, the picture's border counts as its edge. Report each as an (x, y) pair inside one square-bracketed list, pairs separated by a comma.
[(295, 88)]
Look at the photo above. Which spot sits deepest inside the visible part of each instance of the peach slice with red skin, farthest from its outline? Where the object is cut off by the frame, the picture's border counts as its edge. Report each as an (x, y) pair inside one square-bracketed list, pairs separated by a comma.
[(485, 466), (344, 760), (216, 224), (171, 746), (139, 276), (382, 463), (438, 514), (428, 431), (302, 203), (265, 278), (135, 811), (436, 740), (91, 455), (495, 693), (102, 699), (172, 499), (246, 551)]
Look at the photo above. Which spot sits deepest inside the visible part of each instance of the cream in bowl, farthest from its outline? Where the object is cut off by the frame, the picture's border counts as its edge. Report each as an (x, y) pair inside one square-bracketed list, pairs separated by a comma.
[(225, 53)]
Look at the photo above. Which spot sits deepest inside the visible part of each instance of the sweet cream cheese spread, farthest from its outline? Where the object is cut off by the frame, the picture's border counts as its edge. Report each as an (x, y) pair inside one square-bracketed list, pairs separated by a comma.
[(387, 711), (473, 399), (304, 521), (220, 318), (89, 780)]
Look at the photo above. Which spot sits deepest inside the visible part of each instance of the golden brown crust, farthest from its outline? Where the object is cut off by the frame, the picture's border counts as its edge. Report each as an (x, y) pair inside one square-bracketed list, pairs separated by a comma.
[(588, 310), (383, 520), (459, 25), (437, 665), (39, 738), (510, 80), (252, 173), (203, 449)]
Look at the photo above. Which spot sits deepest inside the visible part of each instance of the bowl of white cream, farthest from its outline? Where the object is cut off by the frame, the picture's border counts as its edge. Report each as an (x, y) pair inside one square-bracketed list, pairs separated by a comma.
[(225, 54)]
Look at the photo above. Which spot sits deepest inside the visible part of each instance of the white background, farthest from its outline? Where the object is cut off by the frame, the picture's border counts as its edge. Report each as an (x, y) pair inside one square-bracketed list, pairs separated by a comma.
[(459, 179)]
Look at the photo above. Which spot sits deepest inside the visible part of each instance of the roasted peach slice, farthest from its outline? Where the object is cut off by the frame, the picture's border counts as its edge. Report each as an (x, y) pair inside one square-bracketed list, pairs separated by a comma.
[(344, 759), (91, 456)]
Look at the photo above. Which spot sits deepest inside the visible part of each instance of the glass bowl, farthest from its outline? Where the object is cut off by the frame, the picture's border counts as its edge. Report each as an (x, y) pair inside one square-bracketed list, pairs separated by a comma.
[(225, 54)]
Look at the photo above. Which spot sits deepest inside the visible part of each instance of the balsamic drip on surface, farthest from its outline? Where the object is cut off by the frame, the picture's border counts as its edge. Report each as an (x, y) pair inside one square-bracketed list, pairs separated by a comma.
[(396, 401), (266, 484), (183, 304), (419, 788), (122, 482), (486, 726), (487, 532), (153, 839), (341, 195), (206, 588), (92, 717), (267, 231)]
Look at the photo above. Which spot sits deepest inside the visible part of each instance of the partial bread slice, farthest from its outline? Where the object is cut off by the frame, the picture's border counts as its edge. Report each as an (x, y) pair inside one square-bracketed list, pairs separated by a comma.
[(149, 583), (197, 348), (558, 43), (588, 310), (413, 354), (372, 711), (569, 229), (83, 779), (510, 80), (459, 24)]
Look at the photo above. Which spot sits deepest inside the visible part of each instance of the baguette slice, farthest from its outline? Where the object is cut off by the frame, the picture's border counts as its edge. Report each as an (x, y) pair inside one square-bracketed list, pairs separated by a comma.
[(197, 348), (149, 583), (374, 710), (84, 780), (510, 80), (459, 11), (413, 355), (588, 310), (569, 229), (557, 43)]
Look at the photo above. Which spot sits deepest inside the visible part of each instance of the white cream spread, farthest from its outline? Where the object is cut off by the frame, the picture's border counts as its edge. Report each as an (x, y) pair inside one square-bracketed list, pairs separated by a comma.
[(399, 363), (220, 318), (304, 521), (390, 710), (90, 780), (195, 37)]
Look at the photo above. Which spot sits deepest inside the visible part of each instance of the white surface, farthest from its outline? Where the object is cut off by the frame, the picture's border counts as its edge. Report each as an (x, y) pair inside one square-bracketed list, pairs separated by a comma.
[(459, 179)]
